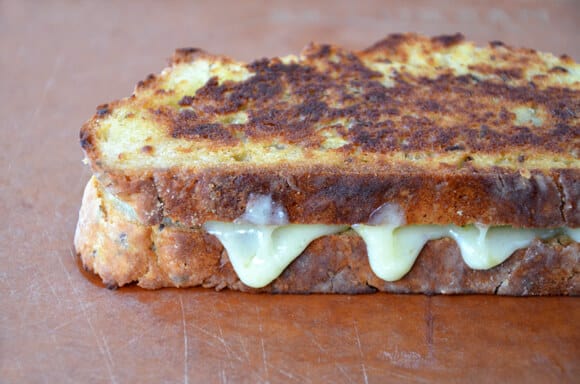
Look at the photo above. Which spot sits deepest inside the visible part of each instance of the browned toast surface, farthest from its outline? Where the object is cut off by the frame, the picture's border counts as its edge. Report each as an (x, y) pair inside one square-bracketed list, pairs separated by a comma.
[(451, 132)]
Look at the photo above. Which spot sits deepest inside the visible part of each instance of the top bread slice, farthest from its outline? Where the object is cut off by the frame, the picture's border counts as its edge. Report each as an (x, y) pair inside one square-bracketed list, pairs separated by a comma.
[(450, 132)]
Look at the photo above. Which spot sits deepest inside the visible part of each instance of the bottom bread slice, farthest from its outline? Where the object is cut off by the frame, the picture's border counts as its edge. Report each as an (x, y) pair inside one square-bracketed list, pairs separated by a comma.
[(122, 251)]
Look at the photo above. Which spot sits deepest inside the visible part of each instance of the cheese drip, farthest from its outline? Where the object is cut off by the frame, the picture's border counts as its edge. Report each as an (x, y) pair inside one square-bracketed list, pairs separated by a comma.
[(392, 247), (260, 253), (392, 250), (573, 233), (261, 243)]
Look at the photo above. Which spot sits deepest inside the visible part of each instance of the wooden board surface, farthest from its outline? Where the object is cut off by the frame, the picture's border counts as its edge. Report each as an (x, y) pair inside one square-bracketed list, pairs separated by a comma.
[(60, 59)]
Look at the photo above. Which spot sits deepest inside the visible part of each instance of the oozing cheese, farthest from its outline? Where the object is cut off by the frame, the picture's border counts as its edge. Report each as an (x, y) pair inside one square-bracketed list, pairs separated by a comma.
[(573, 233), (483, 247), (259, 253), (261, 243), (392, 250)]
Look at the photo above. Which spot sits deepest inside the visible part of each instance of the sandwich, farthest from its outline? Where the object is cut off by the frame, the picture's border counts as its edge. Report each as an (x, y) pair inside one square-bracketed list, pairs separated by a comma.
[(417, 165)]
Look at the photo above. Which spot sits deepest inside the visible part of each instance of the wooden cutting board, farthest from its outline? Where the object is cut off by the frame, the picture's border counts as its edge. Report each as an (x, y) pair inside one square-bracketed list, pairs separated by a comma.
[(57, 325)]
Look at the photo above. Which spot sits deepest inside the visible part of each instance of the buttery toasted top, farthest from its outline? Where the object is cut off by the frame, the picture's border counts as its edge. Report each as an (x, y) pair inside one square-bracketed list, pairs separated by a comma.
[(430, 105), (407, 98)]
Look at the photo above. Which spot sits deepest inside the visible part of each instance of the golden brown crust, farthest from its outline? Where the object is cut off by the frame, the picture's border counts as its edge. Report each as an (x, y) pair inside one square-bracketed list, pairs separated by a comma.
[(452, 133), (122, 251), (112, 245), (569, 183), (319, 195)]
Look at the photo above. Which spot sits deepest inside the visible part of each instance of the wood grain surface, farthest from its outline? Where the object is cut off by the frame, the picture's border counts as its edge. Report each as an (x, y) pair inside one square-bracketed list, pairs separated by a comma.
[(59, 60)]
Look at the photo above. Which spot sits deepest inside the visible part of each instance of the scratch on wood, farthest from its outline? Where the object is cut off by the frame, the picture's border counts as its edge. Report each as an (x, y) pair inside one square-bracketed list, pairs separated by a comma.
[(58, 353), (52, 290), (141, 334), (294, 376), (264, 355), (364, 369), (185, 349), (107, 350), (342, 370), (73, 254), (226, 347), (315, 342), (429, 328), (222, 341), (47, 86), (80, 301), (71, 319), (404, 359), (287, 374), (244, 349)]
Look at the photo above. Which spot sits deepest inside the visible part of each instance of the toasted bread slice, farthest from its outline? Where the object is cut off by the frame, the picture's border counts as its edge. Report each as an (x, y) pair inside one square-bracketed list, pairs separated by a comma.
[(449, 132), (114, 244)]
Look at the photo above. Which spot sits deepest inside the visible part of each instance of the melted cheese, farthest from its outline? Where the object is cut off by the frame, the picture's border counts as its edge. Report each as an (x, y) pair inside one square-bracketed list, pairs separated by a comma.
[(392, 250), (483, 247), (259, 253), (573, 233), (261, 243)]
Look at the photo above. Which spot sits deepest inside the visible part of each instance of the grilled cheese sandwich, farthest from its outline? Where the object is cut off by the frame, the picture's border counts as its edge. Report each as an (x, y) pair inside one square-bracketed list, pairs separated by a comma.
[(409, 141)]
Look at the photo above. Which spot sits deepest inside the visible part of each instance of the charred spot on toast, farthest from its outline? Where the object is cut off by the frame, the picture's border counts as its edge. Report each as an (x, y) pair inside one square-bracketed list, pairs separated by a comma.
[(185, 100), (148, 82), (390, 43), (103, 110), (496, 43), (202, 131), (448, 40), (86, 139), (182, 55)]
